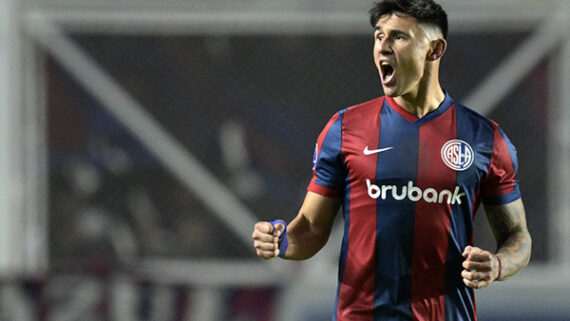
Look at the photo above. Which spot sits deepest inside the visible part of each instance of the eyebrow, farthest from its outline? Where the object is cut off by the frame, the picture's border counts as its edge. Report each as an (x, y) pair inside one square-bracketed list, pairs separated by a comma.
[(393, 31)]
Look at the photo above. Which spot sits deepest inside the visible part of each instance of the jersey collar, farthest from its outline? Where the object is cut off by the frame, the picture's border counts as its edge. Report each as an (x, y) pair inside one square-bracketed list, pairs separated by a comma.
[(445, 105)]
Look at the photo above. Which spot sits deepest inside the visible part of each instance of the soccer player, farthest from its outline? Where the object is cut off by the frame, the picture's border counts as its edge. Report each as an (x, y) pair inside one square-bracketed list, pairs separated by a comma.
[(410, 169)]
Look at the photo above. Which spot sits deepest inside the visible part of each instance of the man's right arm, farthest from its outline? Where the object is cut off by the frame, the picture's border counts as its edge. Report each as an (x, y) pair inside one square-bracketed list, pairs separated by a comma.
[(306, 234)]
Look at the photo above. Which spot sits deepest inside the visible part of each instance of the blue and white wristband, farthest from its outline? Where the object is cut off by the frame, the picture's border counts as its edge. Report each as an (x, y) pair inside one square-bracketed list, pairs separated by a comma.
[(283, 243)]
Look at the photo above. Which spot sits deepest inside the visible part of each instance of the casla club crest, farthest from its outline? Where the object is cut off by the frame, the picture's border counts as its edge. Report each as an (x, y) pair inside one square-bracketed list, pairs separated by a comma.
[(457, 154)]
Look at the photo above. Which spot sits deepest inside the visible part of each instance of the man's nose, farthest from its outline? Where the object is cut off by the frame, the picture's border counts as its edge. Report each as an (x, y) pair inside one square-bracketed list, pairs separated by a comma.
[(385, 46)]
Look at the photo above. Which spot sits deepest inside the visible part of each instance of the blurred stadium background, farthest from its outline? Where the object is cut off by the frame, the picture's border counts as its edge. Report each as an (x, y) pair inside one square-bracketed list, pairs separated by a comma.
[(140, 140)]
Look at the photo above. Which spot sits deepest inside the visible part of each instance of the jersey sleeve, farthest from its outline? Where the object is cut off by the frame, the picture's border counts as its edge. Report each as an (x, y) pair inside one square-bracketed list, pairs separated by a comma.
[(500, 185), (329, 170)]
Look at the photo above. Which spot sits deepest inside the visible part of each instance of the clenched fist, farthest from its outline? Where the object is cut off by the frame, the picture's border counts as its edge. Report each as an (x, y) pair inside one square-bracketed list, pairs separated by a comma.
[(481, 268), (266, 239)]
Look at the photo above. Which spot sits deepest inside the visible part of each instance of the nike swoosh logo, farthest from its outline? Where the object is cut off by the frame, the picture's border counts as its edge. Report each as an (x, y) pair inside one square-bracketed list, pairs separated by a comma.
[(375, 151)]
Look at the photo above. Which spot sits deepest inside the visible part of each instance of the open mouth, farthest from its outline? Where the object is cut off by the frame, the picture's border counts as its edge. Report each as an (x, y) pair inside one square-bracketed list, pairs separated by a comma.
[(387, 71)]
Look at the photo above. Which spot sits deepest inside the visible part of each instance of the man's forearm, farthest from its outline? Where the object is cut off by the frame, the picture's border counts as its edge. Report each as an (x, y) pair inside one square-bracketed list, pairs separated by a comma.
[(514, 253), (305, 239), (508, 223), (310, 230)]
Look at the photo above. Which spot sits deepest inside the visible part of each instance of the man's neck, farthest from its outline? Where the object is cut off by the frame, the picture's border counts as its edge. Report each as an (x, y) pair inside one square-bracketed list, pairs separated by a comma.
[(427, 96)]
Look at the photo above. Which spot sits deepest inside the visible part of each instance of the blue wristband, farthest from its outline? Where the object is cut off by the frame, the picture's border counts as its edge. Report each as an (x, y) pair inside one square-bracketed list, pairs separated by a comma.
[(283, 243)]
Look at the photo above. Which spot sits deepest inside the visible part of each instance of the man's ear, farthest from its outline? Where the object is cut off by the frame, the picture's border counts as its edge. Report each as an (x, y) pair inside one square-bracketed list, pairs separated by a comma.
[(438, 47)]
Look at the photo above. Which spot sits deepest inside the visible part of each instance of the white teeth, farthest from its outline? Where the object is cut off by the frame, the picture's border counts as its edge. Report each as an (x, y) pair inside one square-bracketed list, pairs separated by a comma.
[(385, 63)]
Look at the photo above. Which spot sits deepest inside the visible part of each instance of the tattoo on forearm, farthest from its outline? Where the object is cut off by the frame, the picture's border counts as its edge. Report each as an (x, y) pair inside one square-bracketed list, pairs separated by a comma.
[(508, 223)]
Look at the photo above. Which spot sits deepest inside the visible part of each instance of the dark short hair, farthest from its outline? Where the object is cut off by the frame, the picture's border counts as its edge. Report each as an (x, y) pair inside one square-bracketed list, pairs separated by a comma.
[(424, 11)]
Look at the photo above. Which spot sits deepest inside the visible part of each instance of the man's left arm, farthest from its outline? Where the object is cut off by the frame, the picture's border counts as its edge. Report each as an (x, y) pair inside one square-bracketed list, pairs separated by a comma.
[(508, 222)]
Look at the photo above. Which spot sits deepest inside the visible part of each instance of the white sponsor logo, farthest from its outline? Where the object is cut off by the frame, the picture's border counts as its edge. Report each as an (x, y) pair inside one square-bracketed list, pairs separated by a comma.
[(414, 193), (367, 151), (457, 154)]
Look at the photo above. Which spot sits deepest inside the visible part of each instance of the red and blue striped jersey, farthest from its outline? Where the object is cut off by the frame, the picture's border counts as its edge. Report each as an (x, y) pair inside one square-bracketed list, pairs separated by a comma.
[(410, 188)]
